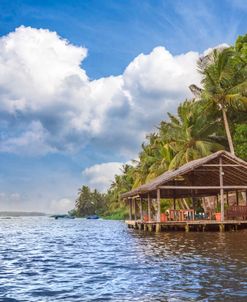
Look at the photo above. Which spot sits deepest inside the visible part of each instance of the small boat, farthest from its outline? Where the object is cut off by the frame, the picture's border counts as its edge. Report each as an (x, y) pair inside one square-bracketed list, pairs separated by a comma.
[(64, 216), (93, 217)]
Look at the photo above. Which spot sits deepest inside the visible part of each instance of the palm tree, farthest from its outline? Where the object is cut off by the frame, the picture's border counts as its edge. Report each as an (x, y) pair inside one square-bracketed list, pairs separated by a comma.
[(225, 83), (190, 134)]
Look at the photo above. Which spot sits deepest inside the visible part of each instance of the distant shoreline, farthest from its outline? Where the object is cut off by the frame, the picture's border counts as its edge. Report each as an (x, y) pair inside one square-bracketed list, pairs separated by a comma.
[(19, 214)]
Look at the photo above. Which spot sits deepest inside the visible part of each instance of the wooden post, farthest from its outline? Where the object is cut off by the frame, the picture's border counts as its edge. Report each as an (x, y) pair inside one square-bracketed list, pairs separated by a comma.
[(222, 227), (221, 191), (187, 228), (245, 197), (193, 199), (141, 212), (130, 208), (135, 209), (174, 197), (149, 207), (157, 227), (158, 205)]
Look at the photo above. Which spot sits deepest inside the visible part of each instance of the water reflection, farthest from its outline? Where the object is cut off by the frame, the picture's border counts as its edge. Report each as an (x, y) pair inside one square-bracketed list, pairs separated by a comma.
[(80, 260)]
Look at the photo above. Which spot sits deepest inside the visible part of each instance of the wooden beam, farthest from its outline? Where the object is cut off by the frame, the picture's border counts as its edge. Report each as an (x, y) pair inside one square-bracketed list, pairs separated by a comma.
[(221, 191), (135, 196), (223, 165), (202, 187), (158, 205)]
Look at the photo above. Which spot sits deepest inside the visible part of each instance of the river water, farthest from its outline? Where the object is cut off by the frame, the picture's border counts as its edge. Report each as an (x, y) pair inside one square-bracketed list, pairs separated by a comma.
[(42, 259)]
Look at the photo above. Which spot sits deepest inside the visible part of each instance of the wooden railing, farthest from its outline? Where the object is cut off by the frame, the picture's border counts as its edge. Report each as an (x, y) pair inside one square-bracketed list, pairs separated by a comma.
[(181, 215), (236, 212)]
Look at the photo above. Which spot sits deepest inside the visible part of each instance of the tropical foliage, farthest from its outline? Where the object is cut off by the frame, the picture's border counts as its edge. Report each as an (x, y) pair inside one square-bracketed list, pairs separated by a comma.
[(90, 202), (216, 119)]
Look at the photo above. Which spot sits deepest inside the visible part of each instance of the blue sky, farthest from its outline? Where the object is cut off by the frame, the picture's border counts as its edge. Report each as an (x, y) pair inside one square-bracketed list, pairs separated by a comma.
[(82, 82)]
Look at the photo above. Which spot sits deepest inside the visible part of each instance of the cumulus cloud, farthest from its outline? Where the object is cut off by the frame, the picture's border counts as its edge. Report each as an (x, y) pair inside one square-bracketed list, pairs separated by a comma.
[(47, 101), (100, 176), (33, 141)]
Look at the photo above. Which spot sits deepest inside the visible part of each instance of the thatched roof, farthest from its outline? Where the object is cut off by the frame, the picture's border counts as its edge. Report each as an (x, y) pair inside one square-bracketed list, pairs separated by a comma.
[(200, 172)]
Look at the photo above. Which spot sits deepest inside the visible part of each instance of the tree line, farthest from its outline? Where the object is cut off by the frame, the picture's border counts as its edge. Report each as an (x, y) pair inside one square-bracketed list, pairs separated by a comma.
[(215, 119)]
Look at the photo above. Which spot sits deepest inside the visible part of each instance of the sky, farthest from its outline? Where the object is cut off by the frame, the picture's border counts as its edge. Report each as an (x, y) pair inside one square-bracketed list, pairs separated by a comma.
[(83, 82)]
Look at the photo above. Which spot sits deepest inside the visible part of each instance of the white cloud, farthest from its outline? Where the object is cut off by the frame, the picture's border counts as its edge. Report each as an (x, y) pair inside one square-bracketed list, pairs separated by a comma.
[(47, 100), (33, 141), (100, 176), (62, 206), (21, 202)]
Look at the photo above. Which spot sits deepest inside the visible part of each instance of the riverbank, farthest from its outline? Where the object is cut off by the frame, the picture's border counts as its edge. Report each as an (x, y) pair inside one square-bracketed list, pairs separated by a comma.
[(118, 214)]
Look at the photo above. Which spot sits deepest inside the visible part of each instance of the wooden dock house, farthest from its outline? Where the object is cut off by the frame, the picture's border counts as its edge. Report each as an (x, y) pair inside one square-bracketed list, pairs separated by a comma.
[(220, 174)]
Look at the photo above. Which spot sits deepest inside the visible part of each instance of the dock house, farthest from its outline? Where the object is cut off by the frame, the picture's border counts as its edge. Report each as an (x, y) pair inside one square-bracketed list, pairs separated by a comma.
[(220, 174)]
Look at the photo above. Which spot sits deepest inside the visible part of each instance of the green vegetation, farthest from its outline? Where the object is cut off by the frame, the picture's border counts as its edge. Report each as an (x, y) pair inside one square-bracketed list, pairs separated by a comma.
[(215, 119)]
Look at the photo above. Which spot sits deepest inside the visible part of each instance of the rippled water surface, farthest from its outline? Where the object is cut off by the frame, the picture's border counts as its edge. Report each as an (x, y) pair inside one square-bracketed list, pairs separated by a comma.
[(42, 259)]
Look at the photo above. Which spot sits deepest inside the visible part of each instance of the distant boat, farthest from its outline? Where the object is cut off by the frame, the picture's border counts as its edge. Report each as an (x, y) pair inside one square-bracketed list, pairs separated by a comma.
[(64, 216), (93, 217)]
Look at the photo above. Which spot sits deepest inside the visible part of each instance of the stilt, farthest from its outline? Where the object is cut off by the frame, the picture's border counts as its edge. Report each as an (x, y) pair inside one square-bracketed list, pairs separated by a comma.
[(145, 227), (222, 227), (187, 228), (157, 227)]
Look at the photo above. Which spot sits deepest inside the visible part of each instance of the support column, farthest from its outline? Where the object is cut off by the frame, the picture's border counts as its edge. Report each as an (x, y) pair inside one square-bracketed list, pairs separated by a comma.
[(237, 197), (174, 196), (141, 211), (149, 207), (135, 209), (130, 209), (158, 205), (221, 191)]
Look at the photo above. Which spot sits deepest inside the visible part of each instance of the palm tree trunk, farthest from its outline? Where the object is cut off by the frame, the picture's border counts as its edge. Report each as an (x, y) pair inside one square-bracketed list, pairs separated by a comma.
[(228, 133)]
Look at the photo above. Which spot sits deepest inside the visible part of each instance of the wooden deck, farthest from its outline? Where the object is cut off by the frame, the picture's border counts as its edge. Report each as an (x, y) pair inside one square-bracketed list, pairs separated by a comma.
[(193, 225)]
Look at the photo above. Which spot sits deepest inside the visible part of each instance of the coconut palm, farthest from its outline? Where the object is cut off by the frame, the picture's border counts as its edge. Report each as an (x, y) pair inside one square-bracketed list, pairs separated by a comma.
[(190, 134), (225, 83)]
